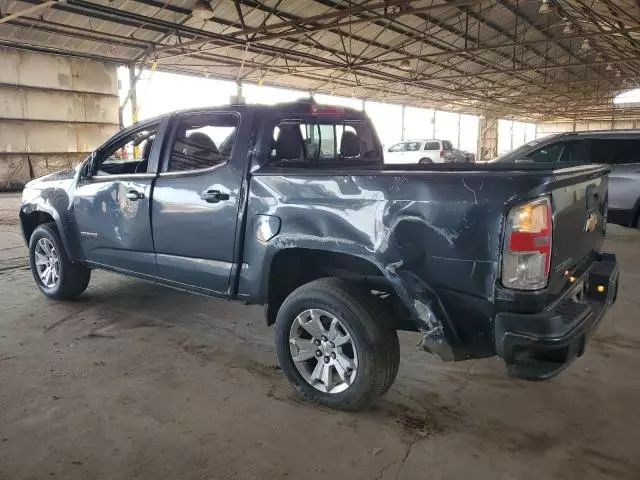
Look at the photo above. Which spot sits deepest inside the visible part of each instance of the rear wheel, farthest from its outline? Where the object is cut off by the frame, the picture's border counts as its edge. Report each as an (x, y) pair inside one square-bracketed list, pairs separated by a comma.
[(55, 275), (335, 346)]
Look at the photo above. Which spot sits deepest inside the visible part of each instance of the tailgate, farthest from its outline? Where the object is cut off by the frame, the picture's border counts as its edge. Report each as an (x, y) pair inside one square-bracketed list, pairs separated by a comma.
[(579, 199)]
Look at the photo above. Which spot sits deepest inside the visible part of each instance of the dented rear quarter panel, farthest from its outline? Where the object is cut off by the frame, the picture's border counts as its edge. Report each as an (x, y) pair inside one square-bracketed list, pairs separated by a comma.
[(435, 236)]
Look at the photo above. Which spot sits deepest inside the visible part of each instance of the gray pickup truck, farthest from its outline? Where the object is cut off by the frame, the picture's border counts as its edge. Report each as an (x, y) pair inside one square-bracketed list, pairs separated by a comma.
[(291, 207)]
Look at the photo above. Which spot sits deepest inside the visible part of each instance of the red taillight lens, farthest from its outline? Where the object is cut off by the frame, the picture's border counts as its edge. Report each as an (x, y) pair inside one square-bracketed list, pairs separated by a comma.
[(442, 154), (527, 254)]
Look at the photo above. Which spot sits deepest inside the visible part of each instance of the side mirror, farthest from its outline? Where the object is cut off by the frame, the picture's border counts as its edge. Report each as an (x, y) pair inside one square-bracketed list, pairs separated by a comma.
[(91, 166)]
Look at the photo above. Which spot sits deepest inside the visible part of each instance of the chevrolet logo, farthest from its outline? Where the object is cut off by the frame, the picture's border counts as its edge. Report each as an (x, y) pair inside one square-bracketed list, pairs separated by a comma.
[(591, 224)]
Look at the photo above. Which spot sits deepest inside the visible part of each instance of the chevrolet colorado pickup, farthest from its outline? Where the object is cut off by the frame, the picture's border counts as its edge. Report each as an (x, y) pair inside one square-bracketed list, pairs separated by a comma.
[(291, 207)]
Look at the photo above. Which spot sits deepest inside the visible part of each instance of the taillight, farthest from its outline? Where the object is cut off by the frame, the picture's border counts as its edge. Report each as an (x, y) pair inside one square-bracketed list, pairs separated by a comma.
[(527, 251), (442, 154)]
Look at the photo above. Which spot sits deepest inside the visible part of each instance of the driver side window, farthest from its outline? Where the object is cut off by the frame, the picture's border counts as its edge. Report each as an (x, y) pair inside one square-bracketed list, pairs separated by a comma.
[(130, 155)]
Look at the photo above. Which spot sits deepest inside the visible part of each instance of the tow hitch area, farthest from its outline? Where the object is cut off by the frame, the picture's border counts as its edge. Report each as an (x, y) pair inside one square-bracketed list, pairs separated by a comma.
[(539, 346)]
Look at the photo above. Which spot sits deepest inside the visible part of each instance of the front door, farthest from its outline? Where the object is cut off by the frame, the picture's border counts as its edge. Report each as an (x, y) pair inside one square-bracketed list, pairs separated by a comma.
[(195, 199), (395, 154), (112, 205)]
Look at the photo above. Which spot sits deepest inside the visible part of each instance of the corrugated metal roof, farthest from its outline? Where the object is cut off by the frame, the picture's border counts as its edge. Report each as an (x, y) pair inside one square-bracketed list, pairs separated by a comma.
[(491, 57)]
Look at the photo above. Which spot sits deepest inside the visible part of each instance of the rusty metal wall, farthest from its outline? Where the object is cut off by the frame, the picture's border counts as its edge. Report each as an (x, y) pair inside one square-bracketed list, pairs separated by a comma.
[(53, 111)]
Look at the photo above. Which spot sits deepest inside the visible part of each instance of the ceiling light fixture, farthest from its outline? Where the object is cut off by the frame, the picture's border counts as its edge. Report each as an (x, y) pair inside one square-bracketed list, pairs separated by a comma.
[(618, 73), (609, 67), (545, 7), (586, 46), (202, 10), (568, 29)]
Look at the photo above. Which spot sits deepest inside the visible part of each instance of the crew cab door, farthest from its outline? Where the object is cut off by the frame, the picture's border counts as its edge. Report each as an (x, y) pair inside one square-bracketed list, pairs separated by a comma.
[(195, 202), (111, 203)]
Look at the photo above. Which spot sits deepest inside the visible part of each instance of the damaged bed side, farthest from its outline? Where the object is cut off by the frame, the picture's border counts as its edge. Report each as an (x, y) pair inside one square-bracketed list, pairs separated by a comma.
[(433, 237)]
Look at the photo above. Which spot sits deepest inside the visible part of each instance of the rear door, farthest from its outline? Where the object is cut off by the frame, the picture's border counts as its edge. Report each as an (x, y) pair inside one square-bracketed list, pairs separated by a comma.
[(432, 150), (195, 202)]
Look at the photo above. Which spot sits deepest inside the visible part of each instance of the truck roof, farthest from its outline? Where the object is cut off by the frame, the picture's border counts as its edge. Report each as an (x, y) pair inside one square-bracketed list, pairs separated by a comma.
[(298, 107)]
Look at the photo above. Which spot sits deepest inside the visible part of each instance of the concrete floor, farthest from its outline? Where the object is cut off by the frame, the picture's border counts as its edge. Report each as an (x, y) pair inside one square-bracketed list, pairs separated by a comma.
[(138, 381)]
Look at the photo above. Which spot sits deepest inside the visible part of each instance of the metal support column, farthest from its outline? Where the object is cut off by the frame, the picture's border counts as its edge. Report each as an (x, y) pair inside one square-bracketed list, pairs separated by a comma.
[(433, 124), (402, 125), (133, 82), (511, 135)]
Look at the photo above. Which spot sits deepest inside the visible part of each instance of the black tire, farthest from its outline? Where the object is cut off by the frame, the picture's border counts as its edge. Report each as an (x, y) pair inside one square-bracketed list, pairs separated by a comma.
[(425, 161), (374, 336), (73, 279)]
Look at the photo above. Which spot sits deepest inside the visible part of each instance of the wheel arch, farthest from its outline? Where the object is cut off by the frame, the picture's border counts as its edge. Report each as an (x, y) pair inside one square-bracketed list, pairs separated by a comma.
[(33, 218), (293, 267)]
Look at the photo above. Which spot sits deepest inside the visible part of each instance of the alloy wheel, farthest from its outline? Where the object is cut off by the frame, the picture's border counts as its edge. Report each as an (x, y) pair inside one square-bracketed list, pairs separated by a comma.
[(47, 263), (323, 351)]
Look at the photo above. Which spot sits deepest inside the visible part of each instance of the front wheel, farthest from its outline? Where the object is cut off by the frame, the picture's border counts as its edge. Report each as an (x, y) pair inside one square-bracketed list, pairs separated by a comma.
[(335, 346), (55, 275)]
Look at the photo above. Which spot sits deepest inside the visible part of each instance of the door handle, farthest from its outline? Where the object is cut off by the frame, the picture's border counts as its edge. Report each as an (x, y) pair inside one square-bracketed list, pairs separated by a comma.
[(134, 195), (214, 196)]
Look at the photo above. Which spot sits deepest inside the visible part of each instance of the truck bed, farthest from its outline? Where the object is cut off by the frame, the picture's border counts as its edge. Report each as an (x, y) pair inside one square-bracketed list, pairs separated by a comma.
[(438, 228)]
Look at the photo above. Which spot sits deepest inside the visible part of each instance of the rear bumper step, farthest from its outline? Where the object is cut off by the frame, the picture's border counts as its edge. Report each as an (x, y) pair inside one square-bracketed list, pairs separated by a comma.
[(539, 346)]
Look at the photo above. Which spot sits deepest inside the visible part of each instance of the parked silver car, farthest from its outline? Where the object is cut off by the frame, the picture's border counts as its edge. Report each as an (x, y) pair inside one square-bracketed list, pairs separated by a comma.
[(618, 148)]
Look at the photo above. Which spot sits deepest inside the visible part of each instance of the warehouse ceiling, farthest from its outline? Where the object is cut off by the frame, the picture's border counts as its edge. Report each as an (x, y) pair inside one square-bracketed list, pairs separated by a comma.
[(525, 59)]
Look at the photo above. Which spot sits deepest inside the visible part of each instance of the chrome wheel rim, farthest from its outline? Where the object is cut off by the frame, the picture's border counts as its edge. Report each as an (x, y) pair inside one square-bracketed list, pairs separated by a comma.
[(323, 351), (47, 263)]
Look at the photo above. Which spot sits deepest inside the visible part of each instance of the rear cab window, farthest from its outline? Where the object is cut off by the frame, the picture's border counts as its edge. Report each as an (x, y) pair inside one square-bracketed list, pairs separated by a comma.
[(321, 141), (432, 146)]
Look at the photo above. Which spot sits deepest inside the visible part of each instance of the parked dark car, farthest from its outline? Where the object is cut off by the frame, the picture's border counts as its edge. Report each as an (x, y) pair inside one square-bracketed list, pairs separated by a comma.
[(291, 207), (618, 148)]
